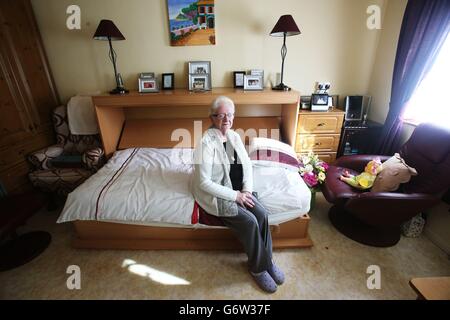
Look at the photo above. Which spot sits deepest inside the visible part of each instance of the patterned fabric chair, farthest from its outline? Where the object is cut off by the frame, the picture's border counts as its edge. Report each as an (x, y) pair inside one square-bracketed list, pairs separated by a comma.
[(55, 170)]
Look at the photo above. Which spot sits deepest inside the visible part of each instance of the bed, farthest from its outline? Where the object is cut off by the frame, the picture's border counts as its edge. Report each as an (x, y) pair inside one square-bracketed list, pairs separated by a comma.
[(141, 147), (150, 187)]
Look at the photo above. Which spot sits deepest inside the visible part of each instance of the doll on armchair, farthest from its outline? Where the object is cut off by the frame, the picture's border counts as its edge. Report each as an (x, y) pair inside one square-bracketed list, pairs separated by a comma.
[(366, 179), (379, 177)]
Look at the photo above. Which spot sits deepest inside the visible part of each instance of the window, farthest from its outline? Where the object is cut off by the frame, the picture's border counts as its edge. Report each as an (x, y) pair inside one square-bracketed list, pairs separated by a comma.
[(431, 101)]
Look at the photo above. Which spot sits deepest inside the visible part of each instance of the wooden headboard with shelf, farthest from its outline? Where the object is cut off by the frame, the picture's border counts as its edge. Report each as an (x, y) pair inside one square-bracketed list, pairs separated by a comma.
[(183, 133), (149, 120)]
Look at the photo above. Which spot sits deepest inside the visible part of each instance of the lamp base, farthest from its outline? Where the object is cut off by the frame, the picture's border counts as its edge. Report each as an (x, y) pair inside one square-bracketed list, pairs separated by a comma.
[(119, 90), (281, 87)]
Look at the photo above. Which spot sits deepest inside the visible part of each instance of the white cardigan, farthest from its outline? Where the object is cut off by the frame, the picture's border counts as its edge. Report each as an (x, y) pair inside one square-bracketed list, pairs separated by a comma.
[(212, 166)]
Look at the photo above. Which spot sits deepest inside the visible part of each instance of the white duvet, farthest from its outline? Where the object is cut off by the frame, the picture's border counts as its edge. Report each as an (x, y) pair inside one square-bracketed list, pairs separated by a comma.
[(148, 185)]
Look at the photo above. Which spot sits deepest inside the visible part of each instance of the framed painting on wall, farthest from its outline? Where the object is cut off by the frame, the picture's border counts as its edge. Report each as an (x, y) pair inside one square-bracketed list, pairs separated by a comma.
[(191, 22)]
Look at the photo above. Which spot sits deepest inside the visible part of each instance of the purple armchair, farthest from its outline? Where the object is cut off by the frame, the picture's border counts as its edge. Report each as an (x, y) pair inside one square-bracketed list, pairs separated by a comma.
[(374, 218)]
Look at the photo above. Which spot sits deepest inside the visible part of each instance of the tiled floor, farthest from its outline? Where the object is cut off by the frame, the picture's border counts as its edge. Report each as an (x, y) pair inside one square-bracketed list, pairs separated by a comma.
[(334, 268)]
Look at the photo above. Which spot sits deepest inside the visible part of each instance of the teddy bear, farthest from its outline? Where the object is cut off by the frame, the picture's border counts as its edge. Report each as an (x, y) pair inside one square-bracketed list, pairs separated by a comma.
[(366, 179), (395, 172)]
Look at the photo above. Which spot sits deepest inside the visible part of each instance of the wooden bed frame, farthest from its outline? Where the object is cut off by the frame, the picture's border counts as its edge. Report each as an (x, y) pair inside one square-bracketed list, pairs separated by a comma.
[(108, 235), (147, 120)]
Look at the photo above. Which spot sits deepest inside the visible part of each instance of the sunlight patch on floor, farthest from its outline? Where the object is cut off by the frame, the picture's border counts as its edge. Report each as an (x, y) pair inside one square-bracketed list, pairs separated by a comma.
[(153, 274)]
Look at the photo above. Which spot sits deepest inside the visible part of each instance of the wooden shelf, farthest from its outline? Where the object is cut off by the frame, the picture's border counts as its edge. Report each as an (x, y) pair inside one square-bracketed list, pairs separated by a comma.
[(330, 110), (183, 97), (157, 133), (112, 115)]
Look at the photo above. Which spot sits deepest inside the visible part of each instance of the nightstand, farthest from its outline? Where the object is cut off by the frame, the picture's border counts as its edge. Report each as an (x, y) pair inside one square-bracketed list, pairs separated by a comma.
[(319, 132), (359, 137)]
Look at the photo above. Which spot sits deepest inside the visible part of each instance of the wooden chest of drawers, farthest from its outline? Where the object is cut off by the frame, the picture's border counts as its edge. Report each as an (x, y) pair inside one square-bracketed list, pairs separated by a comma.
[(319, 132)]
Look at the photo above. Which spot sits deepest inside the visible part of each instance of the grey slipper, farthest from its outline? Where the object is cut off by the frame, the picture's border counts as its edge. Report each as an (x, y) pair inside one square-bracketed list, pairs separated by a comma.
[(276, 274), (265, 281)]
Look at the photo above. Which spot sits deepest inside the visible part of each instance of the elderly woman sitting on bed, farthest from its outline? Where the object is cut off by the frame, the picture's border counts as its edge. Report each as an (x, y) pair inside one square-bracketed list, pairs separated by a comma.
[(222, 186)]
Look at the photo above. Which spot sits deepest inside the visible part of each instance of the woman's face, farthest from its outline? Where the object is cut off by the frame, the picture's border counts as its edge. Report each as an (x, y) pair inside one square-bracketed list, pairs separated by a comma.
[(222, 119)]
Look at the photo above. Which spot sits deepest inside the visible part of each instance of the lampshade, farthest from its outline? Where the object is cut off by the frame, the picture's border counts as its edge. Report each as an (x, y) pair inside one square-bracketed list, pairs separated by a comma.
[(285, 24), (107, 29)]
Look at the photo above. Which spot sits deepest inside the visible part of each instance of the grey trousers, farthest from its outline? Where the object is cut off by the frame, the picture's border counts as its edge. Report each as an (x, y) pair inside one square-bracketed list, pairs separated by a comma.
[(251, 227)]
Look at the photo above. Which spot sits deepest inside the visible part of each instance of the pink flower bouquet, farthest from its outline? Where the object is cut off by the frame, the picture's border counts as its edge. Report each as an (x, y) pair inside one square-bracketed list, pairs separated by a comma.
[(312, 170)]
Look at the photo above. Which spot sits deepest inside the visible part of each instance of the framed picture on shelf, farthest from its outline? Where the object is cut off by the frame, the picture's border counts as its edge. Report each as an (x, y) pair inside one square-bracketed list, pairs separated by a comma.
[(335, 100), (199, 82), (253, 82), (320, 99), (238, 79), (148, 85), (168, 80), (257, 72), (200, 67), (147, 75), (305, 102), (199, 75)]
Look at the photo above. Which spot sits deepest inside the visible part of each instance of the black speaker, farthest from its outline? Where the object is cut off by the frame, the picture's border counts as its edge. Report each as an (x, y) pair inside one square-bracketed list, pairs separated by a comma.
[(357, 107)]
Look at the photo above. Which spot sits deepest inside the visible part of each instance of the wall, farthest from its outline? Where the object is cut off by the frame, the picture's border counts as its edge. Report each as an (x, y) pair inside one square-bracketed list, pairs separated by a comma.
[(381, 80), (335, 44)]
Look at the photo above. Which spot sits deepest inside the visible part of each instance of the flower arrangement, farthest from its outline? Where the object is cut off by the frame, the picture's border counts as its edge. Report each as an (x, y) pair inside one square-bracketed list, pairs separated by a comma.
[(313, 170)]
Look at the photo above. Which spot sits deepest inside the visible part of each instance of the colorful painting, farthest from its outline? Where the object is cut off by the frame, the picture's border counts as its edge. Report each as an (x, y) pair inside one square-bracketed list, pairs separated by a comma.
[(191, 23)]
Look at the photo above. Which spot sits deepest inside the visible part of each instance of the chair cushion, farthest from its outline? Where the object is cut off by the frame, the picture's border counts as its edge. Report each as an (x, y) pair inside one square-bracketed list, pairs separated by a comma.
[(61, 181), (395, 171), (335, 190), (429, 142), (73, 144), (428, 151), (67, 161)]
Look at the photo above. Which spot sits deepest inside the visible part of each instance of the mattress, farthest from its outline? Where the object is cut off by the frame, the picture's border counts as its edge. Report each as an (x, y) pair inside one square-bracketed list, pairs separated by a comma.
[(151, 186)]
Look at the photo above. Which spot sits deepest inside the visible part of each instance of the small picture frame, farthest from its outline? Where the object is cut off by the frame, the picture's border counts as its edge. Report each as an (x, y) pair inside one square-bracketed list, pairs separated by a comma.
[(148, 85), (150, 75), (257, 72), (199, 82), (200, 67), (238, 79), (335, 100), (305, 102), (167, 81), (253, 82), (319, 99), (199, 75)]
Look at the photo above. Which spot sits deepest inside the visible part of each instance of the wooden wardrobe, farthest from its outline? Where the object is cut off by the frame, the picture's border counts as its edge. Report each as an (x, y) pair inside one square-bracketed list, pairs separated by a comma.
[(27, 93)]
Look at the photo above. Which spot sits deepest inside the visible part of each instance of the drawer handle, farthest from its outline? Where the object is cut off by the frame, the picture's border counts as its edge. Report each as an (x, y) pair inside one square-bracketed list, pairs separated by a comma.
[(321, 124), (317, 144)]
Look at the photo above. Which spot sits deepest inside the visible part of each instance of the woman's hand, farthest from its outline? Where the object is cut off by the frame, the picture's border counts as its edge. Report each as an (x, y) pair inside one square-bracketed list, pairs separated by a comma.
[(245, 199)]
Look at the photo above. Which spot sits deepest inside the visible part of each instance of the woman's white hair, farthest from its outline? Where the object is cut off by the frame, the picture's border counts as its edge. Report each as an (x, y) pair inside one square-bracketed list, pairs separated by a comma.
[(221, 100)]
